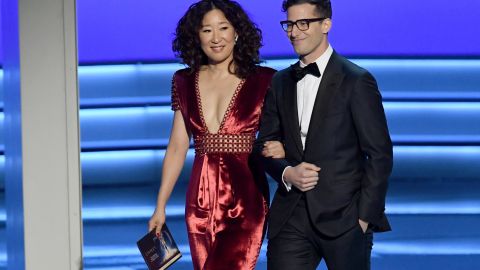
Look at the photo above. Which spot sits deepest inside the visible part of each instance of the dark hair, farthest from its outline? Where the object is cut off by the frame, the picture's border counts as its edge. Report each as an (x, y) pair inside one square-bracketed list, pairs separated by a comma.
[(324, 7), (186, 43)]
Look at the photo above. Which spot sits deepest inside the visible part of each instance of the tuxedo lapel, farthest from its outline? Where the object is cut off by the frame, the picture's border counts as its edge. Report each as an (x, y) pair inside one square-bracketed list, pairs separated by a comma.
[(331, 80), (291, 110)]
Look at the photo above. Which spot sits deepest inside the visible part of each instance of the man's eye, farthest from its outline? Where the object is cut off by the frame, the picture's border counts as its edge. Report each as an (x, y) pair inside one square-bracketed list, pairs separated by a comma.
[(302, 23)]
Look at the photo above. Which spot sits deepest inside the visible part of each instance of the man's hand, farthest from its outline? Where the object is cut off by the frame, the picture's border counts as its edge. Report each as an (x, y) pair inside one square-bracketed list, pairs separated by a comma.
[(304, 176), (363, 225), (273, 149)]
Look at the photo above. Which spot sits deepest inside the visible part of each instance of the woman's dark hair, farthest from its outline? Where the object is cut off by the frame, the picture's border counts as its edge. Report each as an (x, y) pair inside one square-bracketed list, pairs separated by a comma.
[(324, 7), (186, 43)]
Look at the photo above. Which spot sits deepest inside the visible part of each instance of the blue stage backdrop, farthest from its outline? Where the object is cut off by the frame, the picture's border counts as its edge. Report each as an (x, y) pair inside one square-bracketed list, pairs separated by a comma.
[(116, 31)]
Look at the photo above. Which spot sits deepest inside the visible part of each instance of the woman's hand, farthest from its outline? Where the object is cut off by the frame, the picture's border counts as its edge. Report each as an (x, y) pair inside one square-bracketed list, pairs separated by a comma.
[(157, 220), (273, 149)]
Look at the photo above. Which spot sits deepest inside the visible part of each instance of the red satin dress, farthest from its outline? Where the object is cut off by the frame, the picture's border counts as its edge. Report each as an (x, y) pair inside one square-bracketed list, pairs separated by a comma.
[(227, 196)]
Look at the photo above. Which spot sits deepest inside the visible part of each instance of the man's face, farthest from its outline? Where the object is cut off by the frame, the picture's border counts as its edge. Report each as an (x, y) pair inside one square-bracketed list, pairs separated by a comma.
[(309, 43)]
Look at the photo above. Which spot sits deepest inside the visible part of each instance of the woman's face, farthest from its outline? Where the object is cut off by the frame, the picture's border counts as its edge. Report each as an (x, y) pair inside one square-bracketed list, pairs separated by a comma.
[(217, 37)]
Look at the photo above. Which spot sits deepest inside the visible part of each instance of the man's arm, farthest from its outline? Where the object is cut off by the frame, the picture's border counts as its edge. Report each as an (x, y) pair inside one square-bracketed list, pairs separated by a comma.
[(304, 176), (371, 126), (270, 130)]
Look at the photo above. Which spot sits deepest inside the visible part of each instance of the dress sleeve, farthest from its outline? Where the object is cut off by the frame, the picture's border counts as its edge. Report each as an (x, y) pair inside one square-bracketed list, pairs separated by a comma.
[(175, 98)]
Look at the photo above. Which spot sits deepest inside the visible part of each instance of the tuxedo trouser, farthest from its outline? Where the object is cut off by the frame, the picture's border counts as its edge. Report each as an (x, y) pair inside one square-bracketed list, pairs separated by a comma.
[(300, 246)]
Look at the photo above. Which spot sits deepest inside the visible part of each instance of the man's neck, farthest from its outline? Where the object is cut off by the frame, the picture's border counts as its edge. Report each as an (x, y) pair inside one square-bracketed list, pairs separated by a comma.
[(313, 56)]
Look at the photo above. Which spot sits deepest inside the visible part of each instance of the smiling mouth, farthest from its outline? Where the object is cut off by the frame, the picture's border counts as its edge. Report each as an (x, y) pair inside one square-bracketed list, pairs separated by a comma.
[(296, 41), (217, 48)]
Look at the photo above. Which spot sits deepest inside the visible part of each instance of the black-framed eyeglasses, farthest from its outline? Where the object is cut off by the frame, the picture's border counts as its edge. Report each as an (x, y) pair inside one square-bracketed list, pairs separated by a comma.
[(302, 24)]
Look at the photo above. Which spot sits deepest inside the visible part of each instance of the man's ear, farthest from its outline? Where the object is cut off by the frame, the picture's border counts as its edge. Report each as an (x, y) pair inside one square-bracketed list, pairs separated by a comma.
[(326, 25)]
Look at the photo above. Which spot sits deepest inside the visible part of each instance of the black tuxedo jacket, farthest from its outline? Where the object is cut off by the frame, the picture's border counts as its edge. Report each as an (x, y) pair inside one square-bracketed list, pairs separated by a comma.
[(347, 138)]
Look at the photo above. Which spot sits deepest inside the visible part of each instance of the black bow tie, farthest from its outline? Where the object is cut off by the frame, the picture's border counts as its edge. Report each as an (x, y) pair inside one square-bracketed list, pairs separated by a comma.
[(299, 73)]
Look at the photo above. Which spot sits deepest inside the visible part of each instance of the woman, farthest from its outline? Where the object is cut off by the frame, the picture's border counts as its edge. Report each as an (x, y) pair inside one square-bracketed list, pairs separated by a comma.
[(218, 101)]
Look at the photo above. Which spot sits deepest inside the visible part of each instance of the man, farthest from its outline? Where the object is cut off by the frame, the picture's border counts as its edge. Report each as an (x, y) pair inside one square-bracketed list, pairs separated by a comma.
[(338, 154)]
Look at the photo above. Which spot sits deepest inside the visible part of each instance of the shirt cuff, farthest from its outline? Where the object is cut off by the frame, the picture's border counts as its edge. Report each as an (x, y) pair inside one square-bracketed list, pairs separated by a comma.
[(288, 186)]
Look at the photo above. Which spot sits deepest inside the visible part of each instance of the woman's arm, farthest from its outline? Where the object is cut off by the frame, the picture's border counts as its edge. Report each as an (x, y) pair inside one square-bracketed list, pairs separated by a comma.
[(273, 149), (172, 166)]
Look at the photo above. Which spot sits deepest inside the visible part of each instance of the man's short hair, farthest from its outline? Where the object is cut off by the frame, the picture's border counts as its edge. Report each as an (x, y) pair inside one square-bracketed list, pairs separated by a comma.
[(324, 7)]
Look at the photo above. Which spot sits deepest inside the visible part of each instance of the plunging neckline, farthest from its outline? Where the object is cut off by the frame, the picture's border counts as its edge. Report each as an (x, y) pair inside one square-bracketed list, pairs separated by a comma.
[(227, 111)]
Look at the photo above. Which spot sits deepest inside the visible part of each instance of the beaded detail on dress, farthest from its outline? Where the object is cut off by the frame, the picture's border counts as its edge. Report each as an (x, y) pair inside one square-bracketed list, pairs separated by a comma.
[(229, 108), (223, 143), (175, 101)]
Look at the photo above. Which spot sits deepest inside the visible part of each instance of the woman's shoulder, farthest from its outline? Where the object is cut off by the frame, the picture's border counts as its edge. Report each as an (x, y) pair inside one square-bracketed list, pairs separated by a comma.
[(183, 78), (266, 70), (183, 73), (264, 73), (260, 80)]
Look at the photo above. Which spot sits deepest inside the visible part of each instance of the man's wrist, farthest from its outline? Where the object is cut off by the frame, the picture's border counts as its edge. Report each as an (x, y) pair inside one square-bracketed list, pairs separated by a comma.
[(287, 185)]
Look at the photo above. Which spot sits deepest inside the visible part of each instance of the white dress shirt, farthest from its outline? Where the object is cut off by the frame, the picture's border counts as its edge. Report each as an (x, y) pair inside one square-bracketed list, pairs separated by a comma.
[(307, 89)]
